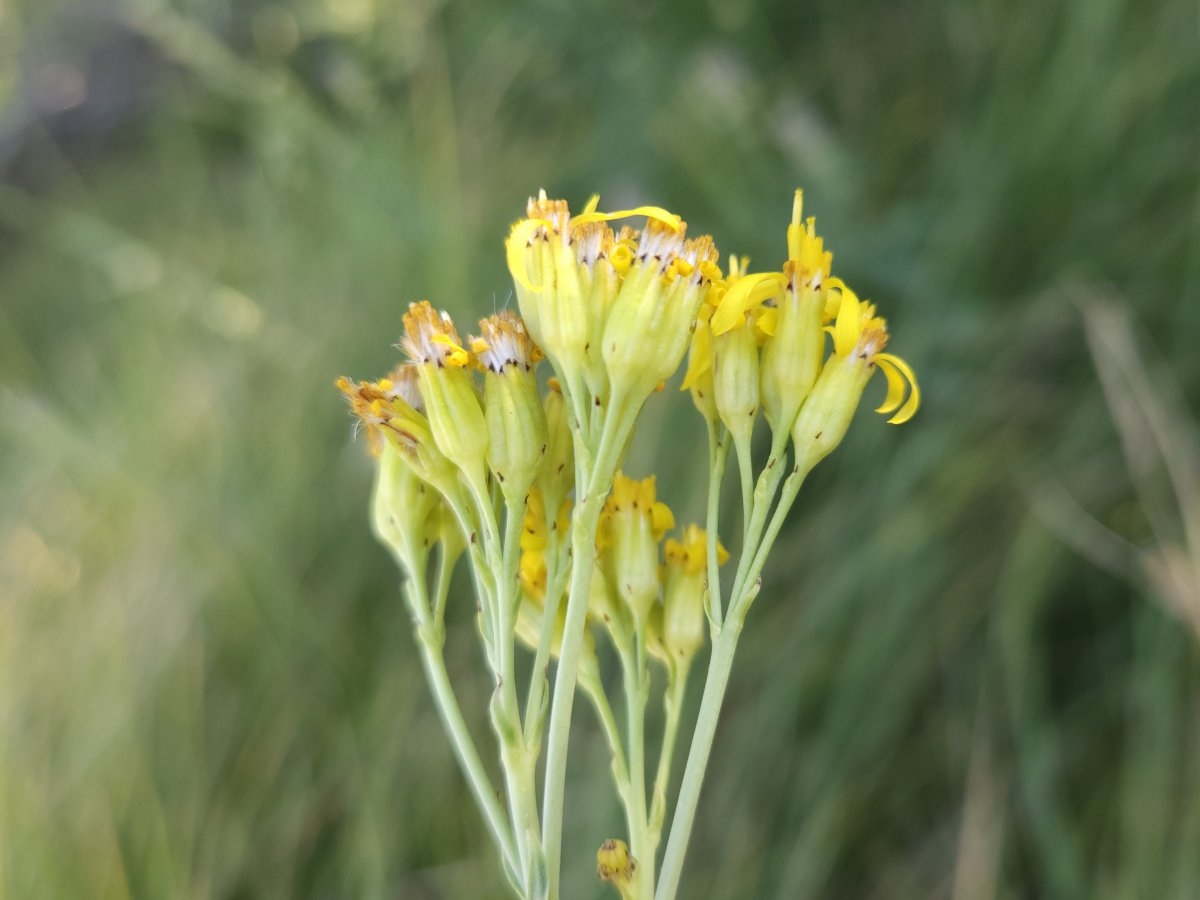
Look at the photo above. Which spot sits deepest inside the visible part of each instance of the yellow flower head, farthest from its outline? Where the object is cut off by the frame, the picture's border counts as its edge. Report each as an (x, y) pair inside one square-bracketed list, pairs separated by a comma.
[(503, 343), (608, 308), (512, 406), (690, 553), (431, 338), (858, 332), (533, 574), (567, 271), (447, 387), (652, 317), (549, 223), (615, 865), (738, 299), (742, 298), (685, 580), (809, 263), (389, 408), (632, 525), (793, 354), (630, 497)]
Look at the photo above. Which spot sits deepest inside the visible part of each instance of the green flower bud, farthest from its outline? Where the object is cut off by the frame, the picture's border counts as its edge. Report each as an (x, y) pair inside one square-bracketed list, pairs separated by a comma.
[(603, 260), (791, 357), (652, 318), (615, 865), (685, 577), (632, 524), (735, 379), (825, 417), (450, 395), (516, 420), (553, 287), (402, 509), (859, 337)]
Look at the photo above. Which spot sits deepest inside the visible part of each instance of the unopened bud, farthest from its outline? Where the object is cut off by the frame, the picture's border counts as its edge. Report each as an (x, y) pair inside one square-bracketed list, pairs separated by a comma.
[(685, 577), (651, 320), (791, 357), (615, 865), (825, 417), (449, 392), (402, 508), (735, 378), (516, 419), (634, 523)]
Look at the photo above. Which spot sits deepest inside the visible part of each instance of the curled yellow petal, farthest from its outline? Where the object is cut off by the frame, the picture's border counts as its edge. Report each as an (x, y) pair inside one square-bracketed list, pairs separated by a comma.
[(679, 268), (848, 327), (746, 293), (670, 219), (458, 355), (896, 386), (514, 250), (910, 407), (593, 202), (768, 321), (621, 257)]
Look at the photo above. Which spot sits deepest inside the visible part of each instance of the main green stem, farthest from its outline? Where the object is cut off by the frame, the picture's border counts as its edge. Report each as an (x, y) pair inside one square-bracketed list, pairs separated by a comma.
[(719, 666), (583, 560)]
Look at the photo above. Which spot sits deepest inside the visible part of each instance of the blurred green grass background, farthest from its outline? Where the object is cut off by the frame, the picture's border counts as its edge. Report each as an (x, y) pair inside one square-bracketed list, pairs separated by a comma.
[(970, 674)]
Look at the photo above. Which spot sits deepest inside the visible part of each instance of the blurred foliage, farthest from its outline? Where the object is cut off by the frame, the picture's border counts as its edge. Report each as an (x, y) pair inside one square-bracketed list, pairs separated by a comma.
[(207, 684)]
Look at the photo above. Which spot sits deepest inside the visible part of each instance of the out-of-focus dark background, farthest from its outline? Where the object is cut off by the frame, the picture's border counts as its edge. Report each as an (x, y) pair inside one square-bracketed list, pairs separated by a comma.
[(973, 670)]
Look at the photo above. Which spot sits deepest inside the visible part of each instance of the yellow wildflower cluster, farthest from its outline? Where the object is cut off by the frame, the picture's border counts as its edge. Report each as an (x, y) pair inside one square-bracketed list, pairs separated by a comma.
[(479, 456), (760, 343), (613, 311)]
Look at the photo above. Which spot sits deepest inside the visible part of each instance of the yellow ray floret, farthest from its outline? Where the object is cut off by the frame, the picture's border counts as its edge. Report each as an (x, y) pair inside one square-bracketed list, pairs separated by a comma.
[(743, 295), (430, 337), (630, 495), (898, 374), (690, 553), (809, 261), (857, 331)]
